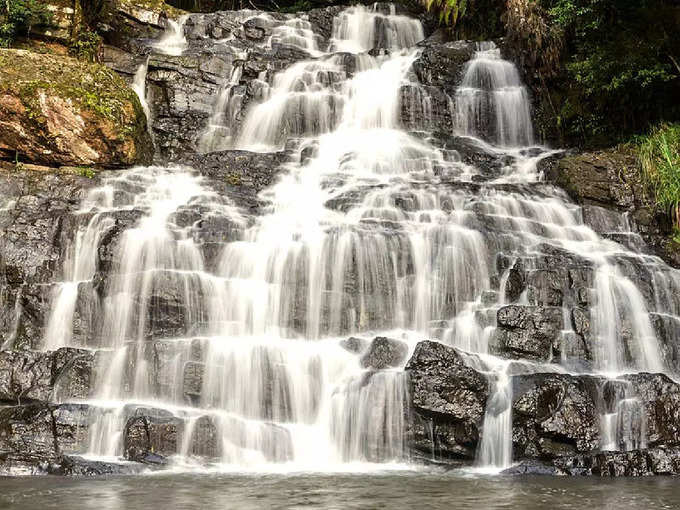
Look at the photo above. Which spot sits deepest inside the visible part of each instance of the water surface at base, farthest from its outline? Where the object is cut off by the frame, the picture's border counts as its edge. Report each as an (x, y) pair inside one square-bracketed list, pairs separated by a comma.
[(386, 490)]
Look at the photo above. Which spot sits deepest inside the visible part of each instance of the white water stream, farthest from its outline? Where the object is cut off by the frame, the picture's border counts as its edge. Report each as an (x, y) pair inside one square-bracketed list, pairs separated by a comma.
[(402, 255)]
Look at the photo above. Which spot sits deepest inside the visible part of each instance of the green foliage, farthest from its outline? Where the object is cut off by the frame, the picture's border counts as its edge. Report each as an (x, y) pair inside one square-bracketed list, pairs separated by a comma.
[(299, 5), (659, 154), (18, 17), (86, 171), (619, 68), (448, 11), (234, 179), (86, 45)]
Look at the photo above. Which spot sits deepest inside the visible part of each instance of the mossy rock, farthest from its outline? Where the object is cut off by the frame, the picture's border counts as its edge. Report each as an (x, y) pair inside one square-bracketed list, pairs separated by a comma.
[(157, 6), (55, 110)]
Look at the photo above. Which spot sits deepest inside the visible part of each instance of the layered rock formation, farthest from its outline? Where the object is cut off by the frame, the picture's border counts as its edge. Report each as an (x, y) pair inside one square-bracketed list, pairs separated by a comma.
[(208, 307)]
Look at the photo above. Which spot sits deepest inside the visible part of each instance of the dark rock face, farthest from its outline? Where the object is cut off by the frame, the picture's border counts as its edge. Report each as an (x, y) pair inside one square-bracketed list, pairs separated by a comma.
[(654, 461), (611, 180), (554, 415), (528, 332), (239, 175), (27, 376), (384, 353), (31, 244), (73, 465), (35, 434), (151, 438), (449, 400)]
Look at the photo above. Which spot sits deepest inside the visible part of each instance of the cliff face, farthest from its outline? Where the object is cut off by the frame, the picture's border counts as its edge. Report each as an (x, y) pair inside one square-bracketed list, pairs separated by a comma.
[(55, 111)]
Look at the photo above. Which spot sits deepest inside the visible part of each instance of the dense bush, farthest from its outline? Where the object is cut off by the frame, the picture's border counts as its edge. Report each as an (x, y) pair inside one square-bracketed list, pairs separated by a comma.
[(620, 64), (18, 17)]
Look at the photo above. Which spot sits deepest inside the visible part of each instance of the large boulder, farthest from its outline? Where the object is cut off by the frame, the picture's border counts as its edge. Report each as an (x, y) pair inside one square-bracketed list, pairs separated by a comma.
[(449, 402), (554, 415), (150, 436), (56, 110)]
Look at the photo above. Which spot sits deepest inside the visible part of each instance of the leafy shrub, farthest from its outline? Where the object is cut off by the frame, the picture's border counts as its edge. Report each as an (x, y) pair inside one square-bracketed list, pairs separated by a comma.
[(85, 45), (18, 17)]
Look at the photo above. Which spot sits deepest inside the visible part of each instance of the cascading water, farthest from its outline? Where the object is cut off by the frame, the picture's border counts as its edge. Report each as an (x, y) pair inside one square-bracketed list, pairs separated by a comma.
[(360, 236)]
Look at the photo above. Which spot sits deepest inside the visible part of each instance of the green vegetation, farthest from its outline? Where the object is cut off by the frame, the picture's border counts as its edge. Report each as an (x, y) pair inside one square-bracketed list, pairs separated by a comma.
[(86, 171), (659, 154), (85, 45), (619, 65), (18, 17), (448, 11), (601, 70), (234, 179)]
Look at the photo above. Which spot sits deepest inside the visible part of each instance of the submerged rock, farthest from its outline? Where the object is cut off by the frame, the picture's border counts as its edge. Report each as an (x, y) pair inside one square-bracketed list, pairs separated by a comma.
[(654, 461), (74, 465)]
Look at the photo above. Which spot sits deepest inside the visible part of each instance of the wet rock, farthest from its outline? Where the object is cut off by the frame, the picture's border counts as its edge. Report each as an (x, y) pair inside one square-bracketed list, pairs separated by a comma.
[(205, 441), (192, 382), (532, 467), (554, 415), (660, 397), (27, 376), (654, 461), (151, 438), (384, 353), (516, 282), (545, 287), (442, 65), (528, 331), (239, 175), (354, 344), (74, 465), (35, 434), (449, 401), (611, 179)]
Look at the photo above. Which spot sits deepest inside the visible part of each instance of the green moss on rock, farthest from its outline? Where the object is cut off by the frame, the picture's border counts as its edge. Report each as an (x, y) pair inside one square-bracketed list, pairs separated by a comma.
[(60, 111)]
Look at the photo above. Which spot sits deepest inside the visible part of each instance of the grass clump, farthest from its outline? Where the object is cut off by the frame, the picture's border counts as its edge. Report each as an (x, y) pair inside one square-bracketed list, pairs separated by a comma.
[(659, 154)]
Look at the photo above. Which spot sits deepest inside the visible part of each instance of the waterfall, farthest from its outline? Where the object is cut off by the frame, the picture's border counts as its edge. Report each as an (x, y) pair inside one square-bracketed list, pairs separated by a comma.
[(492, 100), (371, 228), (495, 449), (139, 86), (174, 41)]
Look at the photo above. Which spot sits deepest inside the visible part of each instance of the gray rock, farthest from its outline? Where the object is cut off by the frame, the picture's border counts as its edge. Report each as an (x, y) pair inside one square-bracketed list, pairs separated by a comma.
[(528, 332), (449, 401), (384, 353)]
